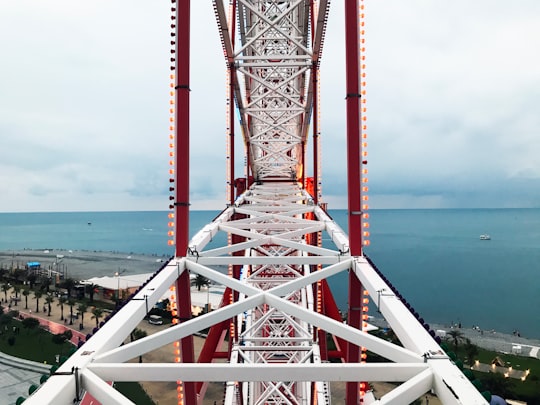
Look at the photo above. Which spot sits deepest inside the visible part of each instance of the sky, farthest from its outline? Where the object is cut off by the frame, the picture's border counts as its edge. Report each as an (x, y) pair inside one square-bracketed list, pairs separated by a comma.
[(453, 98)]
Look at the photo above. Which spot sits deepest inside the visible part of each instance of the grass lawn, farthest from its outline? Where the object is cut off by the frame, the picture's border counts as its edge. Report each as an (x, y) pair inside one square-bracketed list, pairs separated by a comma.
[(134, 392), (35, 345)]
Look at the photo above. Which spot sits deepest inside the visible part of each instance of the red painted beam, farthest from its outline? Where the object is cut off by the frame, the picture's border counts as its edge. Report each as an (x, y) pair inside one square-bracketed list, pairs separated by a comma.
[(353, 126), (182, 126)]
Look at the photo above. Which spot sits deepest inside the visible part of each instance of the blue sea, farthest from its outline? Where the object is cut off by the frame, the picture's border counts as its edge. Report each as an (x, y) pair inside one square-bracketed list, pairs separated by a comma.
[(433, 257)]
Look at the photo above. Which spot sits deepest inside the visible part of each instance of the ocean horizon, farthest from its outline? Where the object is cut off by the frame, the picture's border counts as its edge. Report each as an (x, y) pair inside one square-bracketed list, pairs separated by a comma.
[(434, 257)]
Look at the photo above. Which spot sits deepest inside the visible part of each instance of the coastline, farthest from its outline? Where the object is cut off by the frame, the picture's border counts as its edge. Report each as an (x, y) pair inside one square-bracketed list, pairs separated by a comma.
[(490, 340), (84, 264)]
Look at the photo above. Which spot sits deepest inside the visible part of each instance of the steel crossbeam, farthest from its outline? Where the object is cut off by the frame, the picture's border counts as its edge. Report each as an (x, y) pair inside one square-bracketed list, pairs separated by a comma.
[(275, 356), (277, 309)]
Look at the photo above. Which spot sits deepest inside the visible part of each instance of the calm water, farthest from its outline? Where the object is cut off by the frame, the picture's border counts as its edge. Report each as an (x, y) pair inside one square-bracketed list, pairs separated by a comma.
[(433, 257)]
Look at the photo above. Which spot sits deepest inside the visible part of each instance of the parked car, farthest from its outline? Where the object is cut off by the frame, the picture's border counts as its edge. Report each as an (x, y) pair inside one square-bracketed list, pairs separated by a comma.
[(155, 320)]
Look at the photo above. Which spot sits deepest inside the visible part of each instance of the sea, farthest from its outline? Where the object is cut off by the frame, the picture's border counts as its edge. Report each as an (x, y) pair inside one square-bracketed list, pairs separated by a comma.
[(434, 257)]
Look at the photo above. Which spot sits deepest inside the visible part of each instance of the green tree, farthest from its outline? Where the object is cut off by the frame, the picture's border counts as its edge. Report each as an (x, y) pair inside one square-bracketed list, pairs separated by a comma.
[(96, 314), (71, 302), (31, 278), (49, 299), (26, 293), (498, 384), (456, 336), (61, 301), (471, 351), (5, 319), (5, 288), (37, 295), (61, 338), (16, 290), (200, 281), (91, 289), (137, 334), (68, 284), (82, 307), (46, 284), (30, 323)]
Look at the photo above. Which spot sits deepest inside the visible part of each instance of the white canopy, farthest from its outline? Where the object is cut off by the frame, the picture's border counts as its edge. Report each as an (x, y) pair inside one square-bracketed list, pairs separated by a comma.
[(211, 295), (119, 282)]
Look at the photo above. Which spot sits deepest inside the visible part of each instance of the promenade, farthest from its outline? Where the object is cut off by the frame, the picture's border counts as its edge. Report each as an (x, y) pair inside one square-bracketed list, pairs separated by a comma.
[(17, 376), (15, 381)]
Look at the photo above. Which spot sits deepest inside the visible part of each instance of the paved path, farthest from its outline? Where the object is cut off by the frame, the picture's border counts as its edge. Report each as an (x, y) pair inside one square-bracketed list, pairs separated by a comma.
[(14, 382)]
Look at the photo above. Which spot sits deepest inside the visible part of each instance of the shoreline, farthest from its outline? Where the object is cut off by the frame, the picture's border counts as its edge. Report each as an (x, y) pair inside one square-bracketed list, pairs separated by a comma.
[(84, 264), (488, 340)]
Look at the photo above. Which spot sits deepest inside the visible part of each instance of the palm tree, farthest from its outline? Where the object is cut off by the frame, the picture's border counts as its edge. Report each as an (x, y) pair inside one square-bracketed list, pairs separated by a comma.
[(91, 290), (37, 295), (97, 313), (5, 288), (49, 299), (68, 284), (61, 301), (82, 307), (137, 334), (46, 284), (456, 336), (31, 278), (471, 351), (71, 303), (16, 290), (200, 281), (26, 293)]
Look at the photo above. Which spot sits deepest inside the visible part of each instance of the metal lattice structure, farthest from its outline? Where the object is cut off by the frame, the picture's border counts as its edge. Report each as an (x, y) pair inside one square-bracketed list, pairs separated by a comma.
[(277, 314)]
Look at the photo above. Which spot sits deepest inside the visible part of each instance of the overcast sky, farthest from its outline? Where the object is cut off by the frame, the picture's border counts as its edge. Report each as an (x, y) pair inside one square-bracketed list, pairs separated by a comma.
[(453, 105)]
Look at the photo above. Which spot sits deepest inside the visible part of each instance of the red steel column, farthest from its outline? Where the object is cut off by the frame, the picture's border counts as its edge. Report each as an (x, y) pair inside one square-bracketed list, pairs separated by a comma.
[(353, 126), (183, 285), (232, 77), (182, 127), (353, 180), (231, 133), (315, 78)]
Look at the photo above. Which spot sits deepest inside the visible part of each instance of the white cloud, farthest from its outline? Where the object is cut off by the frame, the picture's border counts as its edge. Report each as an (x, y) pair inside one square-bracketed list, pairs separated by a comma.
[(453, 90)]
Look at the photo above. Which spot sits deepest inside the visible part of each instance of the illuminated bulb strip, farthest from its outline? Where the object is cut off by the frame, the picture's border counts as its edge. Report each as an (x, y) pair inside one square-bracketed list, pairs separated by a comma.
[(228, 145), (177, 355), (363, 132), (172, 181), (319, 149)]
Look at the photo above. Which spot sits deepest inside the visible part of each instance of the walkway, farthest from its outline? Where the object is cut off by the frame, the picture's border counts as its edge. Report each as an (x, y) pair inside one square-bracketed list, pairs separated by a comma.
[(14, 381)]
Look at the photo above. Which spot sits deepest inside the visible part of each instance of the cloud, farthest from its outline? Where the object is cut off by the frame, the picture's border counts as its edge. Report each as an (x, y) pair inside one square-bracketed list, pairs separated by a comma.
[(453, 90)]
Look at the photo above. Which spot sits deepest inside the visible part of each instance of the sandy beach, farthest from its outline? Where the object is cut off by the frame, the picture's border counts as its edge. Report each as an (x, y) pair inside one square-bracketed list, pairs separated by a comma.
[(82, 264)]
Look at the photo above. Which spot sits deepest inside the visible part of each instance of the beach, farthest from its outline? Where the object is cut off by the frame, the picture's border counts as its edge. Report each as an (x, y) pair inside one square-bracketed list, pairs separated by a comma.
[(82, 264)]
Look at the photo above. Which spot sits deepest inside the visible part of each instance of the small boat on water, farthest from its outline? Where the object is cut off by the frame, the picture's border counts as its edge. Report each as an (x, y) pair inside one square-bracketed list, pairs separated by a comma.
[(485, 237)]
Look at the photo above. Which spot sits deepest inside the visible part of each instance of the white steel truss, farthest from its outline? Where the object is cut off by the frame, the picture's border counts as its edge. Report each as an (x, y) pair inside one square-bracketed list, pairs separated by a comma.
[(273, 64), (275, 356)]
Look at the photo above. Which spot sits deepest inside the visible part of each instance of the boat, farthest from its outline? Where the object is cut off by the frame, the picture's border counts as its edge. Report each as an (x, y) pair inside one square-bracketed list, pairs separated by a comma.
[(485, 237)]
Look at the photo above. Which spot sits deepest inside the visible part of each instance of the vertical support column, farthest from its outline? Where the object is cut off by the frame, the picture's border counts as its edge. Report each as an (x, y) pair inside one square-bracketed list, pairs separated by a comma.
[(353, 127), (232, 78), (315, 84), (183, 285), (354, 320), (182, 127), (230, 180), (353, 180)]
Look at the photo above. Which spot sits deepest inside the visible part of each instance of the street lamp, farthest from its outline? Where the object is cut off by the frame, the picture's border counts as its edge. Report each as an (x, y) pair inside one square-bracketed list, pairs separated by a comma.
[(117, 275)]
